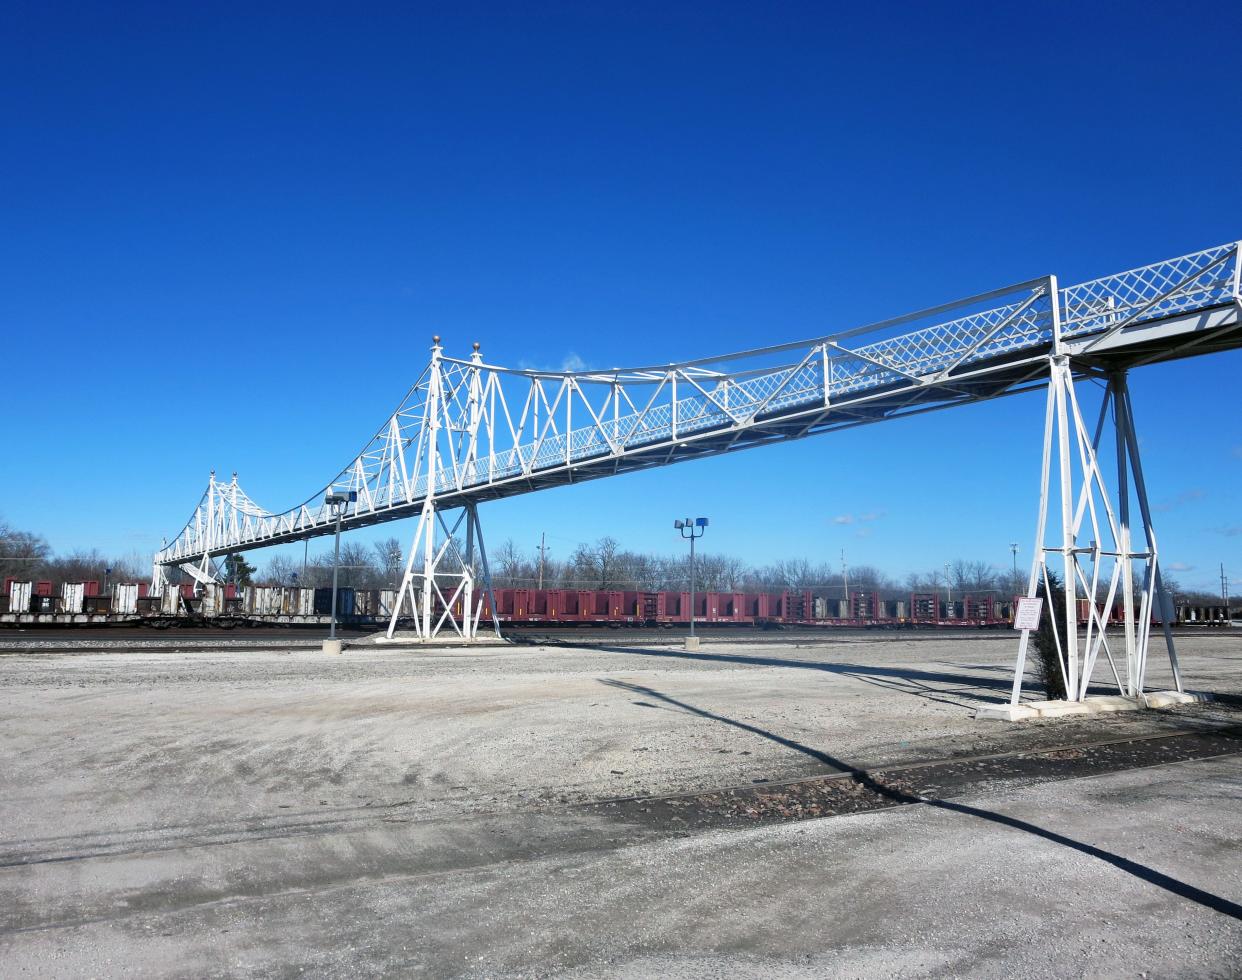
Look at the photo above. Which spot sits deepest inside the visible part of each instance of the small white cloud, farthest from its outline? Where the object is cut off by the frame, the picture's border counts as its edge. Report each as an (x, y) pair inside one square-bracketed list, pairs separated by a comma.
[(1179, 566), (1230, 531), (874, 515), (1185, 497), (863, 532), (570, 362), (843, 519)]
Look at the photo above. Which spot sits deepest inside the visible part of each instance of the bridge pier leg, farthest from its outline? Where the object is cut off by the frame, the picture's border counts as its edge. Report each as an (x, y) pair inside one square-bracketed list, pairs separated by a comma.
[(159, 580), (1099, 572), (440, 577)]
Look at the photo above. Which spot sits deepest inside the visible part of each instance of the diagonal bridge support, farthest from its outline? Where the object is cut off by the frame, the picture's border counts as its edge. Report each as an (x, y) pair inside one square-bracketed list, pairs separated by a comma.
[(1111, 579), (445, 589), (440, 588)]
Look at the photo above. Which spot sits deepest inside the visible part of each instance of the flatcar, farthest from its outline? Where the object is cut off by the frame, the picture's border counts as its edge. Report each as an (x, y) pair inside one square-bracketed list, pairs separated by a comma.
[(35, 603)]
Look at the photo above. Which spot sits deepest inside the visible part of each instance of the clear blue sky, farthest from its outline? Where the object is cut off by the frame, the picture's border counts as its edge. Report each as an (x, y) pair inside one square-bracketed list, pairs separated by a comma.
[(228, 236)]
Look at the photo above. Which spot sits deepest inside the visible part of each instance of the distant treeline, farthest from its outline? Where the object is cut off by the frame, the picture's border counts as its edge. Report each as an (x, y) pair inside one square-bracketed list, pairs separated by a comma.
[(602, 565)]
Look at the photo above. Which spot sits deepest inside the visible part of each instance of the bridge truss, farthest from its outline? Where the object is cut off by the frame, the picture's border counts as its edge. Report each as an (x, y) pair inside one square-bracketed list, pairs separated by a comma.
[(468, 432)]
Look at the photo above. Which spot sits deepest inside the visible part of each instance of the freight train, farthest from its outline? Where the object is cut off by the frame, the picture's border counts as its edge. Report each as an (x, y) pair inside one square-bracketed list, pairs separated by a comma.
[(40, 603)]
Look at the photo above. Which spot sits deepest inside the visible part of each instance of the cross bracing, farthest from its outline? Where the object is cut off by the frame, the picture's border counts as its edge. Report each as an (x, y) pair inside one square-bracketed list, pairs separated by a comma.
[(496, 432)]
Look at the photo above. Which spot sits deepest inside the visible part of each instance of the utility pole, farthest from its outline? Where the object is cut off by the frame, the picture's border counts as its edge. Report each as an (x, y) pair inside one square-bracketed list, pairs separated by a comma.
[(948, 593), (543, 548), (845, 579), (1224, 591), (1013, 546)]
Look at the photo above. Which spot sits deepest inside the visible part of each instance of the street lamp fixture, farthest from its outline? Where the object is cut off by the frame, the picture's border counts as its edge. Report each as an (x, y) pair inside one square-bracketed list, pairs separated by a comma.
[(337, 503), (691, 530)]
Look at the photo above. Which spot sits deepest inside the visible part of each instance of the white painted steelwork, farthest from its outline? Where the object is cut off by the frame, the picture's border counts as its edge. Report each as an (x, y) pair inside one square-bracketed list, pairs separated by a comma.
[(469, 432), (1097, 569)]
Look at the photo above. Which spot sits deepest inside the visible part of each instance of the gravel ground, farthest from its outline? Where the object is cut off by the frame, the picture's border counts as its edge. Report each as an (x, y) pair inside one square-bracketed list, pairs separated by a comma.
[(236, 812)]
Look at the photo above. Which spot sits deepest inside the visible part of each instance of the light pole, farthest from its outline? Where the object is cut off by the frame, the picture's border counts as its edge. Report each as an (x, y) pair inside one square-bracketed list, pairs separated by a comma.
[(948, 593), (1013, 546), (337, 502), (393, 570), (691, 530)]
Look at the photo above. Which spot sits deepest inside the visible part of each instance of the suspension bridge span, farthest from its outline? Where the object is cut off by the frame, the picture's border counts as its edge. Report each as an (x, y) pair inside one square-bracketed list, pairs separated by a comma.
[(468, 431)]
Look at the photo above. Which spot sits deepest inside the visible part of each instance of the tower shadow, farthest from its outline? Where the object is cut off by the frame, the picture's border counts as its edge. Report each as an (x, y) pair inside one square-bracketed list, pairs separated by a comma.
[(899, 797), (915, 681)]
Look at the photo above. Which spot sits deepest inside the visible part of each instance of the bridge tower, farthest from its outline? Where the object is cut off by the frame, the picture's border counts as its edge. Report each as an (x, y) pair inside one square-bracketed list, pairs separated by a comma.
[(1098, 574), (215, 520), (439, 589)]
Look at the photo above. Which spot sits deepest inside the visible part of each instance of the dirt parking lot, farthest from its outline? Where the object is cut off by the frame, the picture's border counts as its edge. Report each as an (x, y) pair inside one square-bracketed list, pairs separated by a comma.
[(237, 812)]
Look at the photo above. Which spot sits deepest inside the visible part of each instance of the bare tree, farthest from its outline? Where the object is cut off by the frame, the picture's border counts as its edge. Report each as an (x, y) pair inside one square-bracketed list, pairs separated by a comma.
[(21, 554), (509, 566), (280, 570), (358, 568), (925, 581), (606, 552), (389, 561), (131, 567), (869, 578), (78, 566), (1013, 583), (973, 576)]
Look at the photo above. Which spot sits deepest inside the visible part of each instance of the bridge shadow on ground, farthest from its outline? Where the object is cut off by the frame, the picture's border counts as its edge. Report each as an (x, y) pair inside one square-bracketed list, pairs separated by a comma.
[(899, 797), (914, 681)]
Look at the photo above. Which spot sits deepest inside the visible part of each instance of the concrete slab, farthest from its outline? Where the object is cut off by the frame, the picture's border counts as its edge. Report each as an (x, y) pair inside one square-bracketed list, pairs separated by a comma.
[(1006, 712), (692, 642), (410, 639), (1096, 704), (1057, 709), (332, 646), (1168, 699), (1101, 703)]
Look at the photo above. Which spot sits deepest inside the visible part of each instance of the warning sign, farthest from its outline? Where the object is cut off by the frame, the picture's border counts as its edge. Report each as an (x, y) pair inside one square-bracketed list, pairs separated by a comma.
[(1027, 617)]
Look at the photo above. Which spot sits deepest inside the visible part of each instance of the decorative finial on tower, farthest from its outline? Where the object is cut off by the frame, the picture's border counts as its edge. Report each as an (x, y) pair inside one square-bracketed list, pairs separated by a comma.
[(436, 340), (476, 346)]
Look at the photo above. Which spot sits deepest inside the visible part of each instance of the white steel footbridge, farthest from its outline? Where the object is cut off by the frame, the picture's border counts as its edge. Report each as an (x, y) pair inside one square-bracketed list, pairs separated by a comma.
[(468, 432)]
